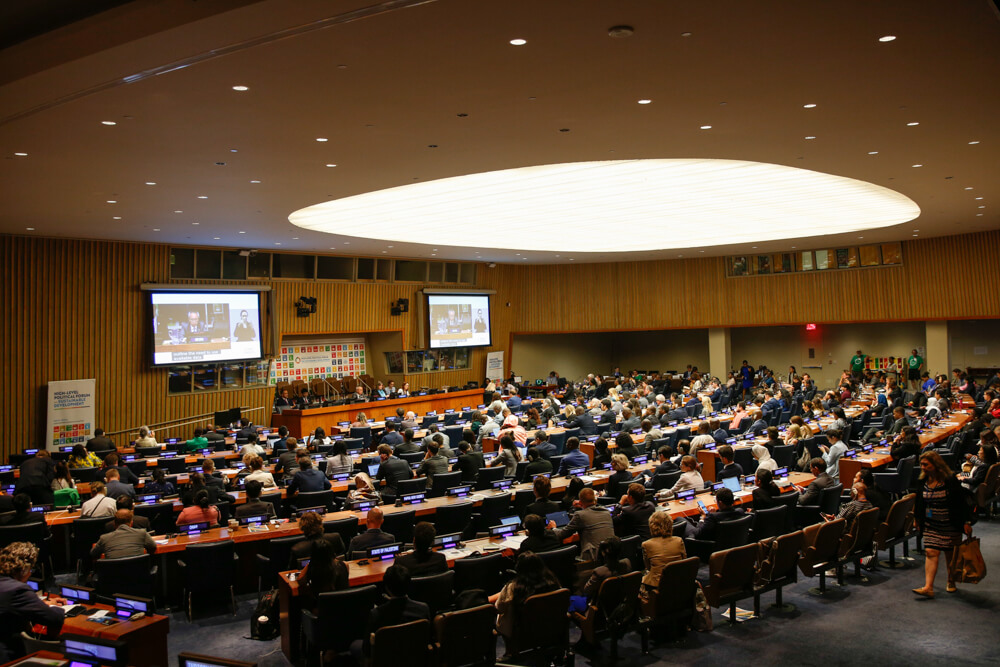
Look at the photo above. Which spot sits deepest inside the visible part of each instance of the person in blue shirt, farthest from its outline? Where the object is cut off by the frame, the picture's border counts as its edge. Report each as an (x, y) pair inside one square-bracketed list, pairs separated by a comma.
[(308, 479), (392, 436), (574, 458), (514, 401)]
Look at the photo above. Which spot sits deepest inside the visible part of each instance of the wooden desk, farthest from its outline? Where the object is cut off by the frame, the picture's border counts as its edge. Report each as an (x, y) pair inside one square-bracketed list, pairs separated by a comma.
[(146, 637), (305, 421)]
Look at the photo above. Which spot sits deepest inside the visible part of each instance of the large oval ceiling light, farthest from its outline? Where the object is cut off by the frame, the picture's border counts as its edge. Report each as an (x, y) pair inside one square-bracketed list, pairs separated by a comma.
[(615, 206)]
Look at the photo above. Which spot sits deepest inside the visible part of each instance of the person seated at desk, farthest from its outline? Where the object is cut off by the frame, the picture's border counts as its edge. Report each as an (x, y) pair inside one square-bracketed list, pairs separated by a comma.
[(423, 561), (360, 421), (543, 505), (198, 510), (545, 448), (126, 503), (593, 524), (303, 400), (311, 525), (63, 479), (125, 474), (630, 420), (664, 464), (213, 436), (625, 445), (631, 516), (583, 421), (20, 606), (99, 504), (661, 549), (254, 506), (283, 401), (531, 578), (602, 453), (907, 443), (690, 479), (251, 447), (358, 395), (35, 478), (325, 572), (364, 489), (729, 467), (404, 390), (773, 438), (372, 537), (539, 537), (707, 527), (115, 487), (432, 431), (22, 514), (981, 463), (651, 433), (833, 452), (850, 510), (766, 493), (392, 470), (398, 608), (409, 421), (80, 457), (609, 563), (408, 446), (100, 444), (307, 479), (811, 494), (286, 464), (392, 436), (536, 464), (339, 462), (469, 462), (281, 444), (125, 540), (214, 480), (159, 484), (759, 425), (254, 464), (621, 477), (573, 458), (762, 455), (433, 464), (196, 443)]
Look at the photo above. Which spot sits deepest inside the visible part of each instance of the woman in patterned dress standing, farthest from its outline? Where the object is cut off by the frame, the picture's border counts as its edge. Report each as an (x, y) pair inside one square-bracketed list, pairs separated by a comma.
[(942, 516)]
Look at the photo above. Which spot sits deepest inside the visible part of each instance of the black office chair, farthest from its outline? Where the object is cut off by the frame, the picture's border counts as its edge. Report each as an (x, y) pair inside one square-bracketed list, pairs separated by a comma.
[(769, 523), (174, 465), (454, 433), (412, 457), (364, 433), (279, 552), (666, 480), (728, 535), (896, 481), (84, 533), (148, 452), (558, 440), (160, 516), (562, 562), (35, 533), (400, 525), (347, 528), (466, 637), (354, 443), (397, 645), (135, 575), (484, 572), (342, 619), (519, 471), (444, 481), (86, 474), (138, 468), (829, 503), (453, 518), (415, 485), (277, 502), (523, 498), (306, 499), (435, 591), (207, 568), (783, 455), (486, 477), (744, 457), (491, 510)]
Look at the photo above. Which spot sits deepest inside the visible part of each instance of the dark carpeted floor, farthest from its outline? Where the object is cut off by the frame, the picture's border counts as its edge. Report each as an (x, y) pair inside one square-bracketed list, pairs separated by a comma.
[(878, 623)]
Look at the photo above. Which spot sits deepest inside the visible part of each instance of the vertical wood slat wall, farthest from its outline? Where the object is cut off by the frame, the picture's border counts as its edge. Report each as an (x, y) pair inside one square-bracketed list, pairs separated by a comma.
[(72, 309)]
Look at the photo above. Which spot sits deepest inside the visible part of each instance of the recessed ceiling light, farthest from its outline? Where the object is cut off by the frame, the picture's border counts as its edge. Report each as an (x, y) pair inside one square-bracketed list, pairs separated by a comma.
[(706, 127), (887, 38), (916, 230), (571, 259), (30, 229), (388, 246), (518, 42), (973, 143), (860, 237), (216, 238), (321, 139), (295, 238), (917, 165), (645, 101), (686, 34), (433, 254), (969, 188), (108, 122), (983, 206), (753, 247), (716, 202), (916, 234), (156, 229), (810, 137), (333, 248), (116, 217), (809, 106), (240, 89), (112, 201), (873, 152), (255, 181), (150, 182), (912, 124), (435, 249), (978, 197), (21, 154), (202, 197), (384, 252), (331, 165), (234, 150), (178, 211)]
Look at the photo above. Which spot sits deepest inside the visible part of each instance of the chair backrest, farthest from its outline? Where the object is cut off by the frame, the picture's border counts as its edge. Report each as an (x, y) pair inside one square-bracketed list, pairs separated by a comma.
[(86, 474), (487, 475), (276, 501), (542, 622), (782, 561), (731, 572), (733, 533), (618, 599), (396, 645), (632, 550), (744, 457), (666, 480), (400, 525), (28, 532), (558, 440), (211, 566), (130, 576), (677, 585), (435, 590), (454, 433), (493, 508), (453, 518), (279, 552), (829, 499), (783, 455), (770, 522), (523, 498), (364, 433), (466, 637), (160, 515), (861, 535), (562, 562), (411, 457), (85, 532), (905, 468), (415, 485), (347, 528), (483, 572), (896, 521), (343, 615), (825, 543), (444, 481), (304, 499)]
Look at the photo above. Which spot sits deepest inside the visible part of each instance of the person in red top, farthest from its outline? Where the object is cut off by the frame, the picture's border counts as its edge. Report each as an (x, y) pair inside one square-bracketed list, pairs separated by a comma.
[(199, 511)]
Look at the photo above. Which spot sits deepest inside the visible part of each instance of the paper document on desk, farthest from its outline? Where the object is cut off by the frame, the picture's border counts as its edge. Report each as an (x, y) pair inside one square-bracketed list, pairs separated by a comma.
[(866, 459), (588, 478), (162, 541), (452, 554), (513, 542)]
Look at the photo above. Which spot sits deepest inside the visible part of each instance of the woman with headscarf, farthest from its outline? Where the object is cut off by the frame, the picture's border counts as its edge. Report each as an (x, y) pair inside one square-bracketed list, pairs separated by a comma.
[(764, 460), (512, 427)]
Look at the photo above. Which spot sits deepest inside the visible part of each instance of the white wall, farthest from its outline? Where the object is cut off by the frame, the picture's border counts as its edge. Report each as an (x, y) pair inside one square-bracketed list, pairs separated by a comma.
[(965, 336)]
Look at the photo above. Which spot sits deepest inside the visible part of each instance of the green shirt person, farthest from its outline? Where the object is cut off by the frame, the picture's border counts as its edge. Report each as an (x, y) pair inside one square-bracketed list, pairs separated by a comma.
[(914, 364), (199, 441), (858, 363), (915, 361)]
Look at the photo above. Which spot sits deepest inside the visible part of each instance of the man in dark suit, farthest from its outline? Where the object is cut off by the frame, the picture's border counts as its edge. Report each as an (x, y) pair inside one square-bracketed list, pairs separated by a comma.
[(286, 460), (392, 469), (584, 422), (664, 465), (542, 505), (35, 478), (678, 414), (392, 436), (214, 481), (729, 467), (126, 503), (213, 436), (811, 494), (720, 434), (100, 444), (307, 479), (539, 538), (373, 537), (111, 462), (545, 448), (124, 541), (630, 421), (469, 462), (608, 416), (398, 608), (282, 442), (283, 401), (592, 523), (433, 464), (407, 446), (254, 506), (115, 487), (20, 606), (709, 524), (574, 458), (759, 425), (631, 517)]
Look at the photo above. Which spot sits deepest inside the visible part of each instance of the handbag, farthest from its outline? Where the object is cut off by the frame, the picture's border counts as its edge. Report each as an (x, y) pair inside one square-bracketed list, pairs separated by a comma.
[(967, 565), (701, 620)]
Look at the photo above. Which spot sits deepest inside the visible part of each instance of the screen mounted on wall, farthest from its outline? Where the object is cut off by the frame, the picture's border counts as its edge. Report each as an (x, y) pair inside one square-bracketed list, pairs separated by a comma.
[(205, 327), (458, 320)]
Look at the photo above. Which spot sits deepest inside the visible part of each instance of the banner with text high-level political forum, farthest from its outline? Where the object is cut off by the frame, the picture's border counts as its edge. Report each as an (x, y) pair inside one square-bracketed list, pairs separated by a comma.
[(70, 415), (494, 365)]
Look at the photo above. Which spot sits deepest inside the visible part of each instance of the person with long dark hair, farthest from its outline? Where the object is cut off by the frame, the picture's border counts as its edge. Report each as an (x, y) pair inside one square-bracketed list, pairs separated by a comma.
[(766, 493), (531, 578), (942, 515), (200, 510)]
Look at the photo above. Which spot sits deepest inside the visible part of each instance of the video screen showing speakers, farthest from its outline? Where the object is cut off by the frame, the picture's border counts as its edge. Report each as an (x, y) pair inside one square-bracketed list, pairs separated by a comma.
[(194, 327), (458, 320)]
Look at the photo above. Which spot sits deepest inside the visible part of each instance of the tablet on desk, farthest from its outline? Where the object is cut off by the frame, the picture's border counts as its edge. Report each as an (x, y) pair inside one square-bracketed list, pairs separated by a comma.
[(560, 518)]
